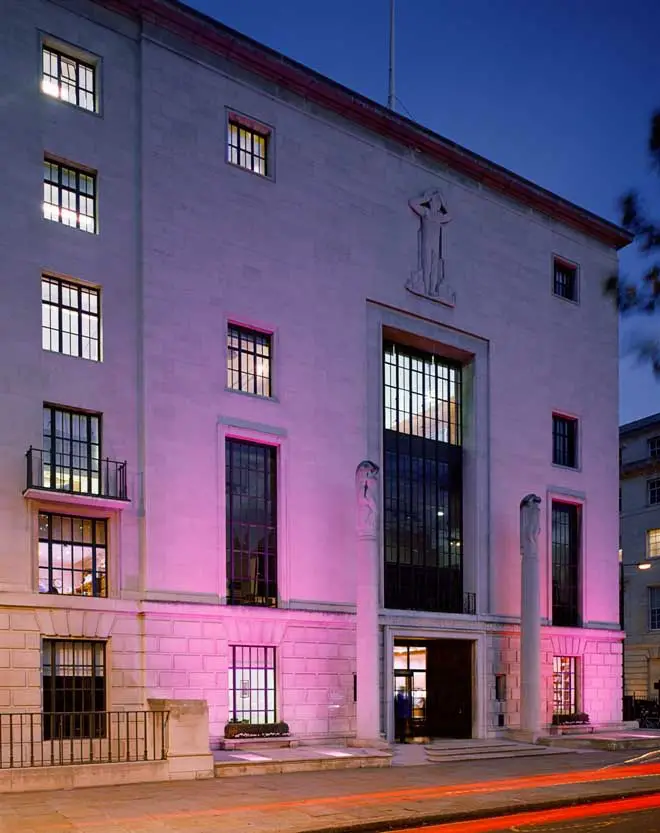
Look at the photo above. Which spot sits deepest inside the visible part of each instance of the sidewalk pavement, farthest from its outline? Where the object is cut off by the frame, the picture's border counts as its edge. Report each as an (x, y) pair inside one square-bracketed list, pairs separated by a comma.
[(367, 799)]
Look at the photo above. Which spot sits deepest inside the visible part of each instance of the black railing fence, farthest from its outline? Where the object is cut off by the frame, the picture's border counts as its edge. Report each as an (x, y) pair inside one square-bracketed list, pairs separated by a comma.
[(97, 478), (38, 739)]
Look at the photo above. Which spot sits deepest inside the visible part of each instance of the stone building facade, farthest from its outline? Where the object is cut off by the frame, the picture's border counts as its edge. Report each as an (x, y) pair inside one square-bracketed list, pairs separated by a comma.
[(639, 504), (237, 281)]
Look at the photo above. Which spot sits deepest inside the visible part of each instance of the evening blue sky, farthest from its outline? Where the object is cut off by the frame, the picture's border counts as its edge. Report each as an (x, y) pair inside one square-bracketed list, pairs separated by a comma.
[(560, 91)]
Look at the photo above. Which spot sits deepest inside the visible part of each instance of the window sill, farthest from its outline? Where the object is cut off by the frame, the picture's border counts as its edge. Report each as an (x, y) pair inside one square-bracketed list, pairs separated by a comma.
[(574, 301), (566, 468), (247, 393), (264, 177)]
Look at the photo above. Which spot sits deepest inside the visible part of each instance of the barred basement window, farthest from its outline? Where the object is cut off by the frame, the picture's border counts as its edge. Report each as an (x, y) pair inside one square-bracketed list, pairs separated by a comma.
[(251, 506), (565, 280), (68, 78), (247, 146), (249, 360), (252, 684), (69, 196), (564, 685), (564, 441), (72, 555), (70, 318), (73, 679)]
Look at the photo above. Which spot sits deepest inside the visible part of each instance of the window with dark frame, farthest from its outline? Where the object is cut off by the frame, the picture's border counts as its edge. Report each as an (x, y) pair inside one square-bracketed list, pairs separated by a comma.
[(653, 491), (564, 685), (70, 318), (73, 677), (564, 441), (68, 78), (69, 196), (565, 282), (72, 555), (423, 522), (654, 608), (565, 564), (654, 448), (247, 147), (251, 507), (71, 451), (653, 543), (252, 690), (249, 354)]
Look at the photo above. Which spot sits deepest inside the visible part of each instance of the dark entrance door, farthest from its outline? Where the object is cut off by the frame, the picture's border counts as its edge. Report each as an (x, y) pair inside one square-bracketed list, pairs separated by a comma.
[(449, 688)]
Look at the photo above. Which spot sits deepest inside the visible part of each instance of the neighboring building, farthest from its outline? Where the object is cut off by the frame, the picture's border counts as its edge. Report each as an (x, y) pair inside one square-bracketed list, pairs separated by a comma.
[(639, 505), (248, 283)]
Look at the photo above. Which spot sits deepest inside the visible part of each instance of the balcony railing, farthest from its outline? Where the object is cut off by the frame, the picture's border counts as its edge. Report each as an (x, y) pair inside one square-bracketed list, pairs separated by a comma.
[(103, 478), (39, 739)]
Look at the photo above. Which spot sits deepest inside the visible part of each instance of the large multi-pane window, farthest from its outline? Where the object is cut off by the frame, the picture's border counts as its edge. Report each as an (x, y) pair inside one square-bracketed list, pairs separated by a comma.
[(654, 608), (72, 555), (564, 685), (565, 564), (653, 543), (73, 685), (564, 441), (565, 280), (251, 506), (422, 481), (71, 451), (247, 147), (69, 196), (68, 78), (654, 447), (248, 360), (70, 318), (252, 684)]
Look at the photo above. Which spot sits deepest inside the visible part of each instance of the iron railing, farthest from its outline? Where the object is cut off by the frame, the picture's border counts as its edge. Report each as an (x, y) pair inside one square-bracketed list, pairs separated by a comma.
[(102, 478), (39, 739)]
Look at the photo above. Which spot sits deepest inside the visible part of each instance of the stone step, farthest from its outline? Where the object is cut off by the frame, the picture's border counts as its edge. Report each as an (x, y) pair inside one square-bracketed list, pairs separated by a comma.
[(470, 751), (480, 756), (298, 763)]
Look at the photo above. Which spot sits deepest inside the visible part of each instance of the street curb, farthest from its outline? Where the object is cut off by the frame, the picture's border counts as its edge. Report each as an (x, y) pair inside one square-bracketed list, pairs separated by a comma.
[(410, 823)]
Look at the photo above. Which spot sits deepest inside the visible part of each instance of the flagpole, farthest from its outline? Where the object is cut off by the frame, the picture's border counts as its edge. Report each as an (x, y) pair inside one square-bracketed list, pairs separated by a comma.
[(391, 98)]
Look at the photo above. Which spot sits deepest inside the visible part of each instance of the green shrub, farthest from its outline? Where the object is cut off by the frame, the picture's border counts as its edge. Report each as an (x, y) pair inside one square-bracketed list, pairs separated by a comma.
[(578, 719), (235, 729)]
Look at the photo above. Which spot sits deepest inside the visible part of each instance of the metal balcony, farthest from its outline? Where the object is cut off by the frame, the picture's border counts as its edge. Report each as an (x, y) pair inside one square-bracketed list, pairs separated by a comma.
[(101, 479)]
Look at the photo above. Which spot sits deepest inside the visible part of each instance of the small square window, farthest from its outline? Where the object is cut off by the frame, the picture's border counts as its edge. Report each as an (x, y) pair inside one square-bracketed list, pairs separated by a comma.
[(653, 491), (564, 441), (68, 78), (654, 448), (249, 364), (248, 145), (565, 280)]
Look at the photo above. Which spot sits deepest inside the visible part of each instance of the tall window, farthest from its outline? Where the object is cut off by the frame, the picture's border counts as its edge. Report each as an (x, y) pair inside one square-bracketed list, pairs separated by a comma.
[(251, 500), (72, 451), (68, 78), (252, 684), (564, 685), (248, 360), (565, 282), (653, 543), (564, 441), (248, 147), (72, 555), (653, 491), (422, 481), (69, 196), (654, 447), (70, 318), (73, 681), (565, 564), (654, 608)]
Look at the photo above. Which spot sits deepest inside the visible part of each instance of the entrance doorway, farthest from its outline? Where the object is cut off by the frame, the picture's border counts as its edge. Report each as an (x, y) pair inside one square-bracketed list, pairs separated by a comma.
[(432, 688)]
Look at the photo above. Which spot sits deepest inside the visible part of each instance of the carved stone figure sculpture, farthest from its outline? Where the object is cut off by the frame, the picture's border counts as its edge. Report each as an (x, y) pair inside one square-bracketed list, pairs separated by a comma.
[(366, 488), (432, 211), (530, 524)]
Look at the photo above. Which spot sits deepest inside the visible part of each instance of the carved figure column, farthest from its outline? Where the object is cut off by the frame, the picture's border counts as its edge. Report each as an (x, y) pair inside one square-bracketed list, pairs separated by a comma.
[(367, 571), (530, 618)]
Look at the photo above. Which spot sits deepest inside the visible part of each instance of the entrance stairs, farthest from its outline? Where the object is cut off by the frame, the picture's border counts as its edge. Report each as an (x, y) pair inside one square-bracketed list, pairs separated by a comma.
[(448, 751)]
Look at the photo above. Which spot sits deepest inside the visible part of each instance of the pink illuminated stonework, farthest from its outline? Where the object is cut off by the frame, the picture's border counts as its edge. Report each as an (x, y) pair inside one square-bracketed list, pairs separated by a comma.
[(281, 296)]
